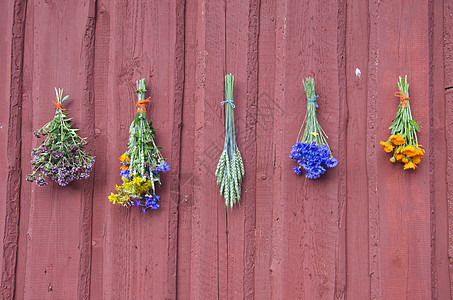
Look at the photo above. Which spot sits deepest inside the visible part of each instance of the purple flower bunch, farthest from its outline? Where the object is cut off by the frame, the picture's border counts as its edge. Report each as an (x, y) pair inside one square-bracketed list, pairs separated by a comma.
[(147, 203), (61, 156), (313, 159), (58, 165)]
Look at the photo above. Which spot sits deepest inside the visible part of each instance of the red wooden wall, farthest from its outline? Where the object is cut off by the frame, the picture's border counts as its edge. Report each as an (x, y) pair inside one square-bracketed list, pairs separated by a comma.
[(366, 230)]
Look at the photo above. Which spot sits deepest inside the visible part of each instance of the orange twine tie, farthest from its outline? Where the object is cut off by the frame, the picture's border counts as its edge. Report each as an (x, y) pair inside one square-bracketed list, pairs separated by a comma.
[(141, 105), (403, 98), (58, 104)]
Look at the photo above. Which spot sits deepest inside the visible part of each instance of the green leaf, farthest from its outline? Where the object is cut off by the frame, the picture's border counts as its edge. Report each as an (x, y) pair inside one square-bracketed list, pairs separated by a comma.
[(413, 123), (64, 99)]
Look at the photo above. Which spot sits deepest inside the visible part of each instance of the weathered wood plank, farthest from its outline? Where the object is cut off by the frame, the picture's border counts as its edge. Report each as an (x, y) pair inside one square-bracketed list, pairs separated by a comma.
[(241, 61), (6, 17), (371, 151), (138, 250), (305, 212), (403, 197), (208, 275), (55, 231), (448, 71), (88, 123), (12, 45), (265, 154), (251, 116), (187, 177), (357, 229), (438, 158), (177, 90)]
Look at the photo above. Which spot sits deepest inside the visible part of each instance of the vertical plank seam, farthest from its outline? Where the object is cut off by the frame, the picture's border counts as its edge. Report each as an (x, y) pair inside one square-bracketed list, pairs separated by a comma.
[(86, 211), (341, 257), (434, 287), (373, 200), (178, 100), (12, 206), (447, 19), (226, 210), (250, 150)]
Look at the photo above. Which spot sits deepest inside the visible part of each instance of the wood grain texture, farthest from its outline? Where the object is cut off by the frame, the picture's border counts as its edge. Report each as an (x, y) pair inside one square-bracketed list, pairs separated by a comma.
[(11, 212), (208, 268), (306, 212), (137, 251), (187, 176), (371, 151), (404, 197), (56, 230), (448, 68), (5, 84), (241, 61), (357, 226), (439, 158), (177, 90), (366, 230), (265, 153), (86, 205)]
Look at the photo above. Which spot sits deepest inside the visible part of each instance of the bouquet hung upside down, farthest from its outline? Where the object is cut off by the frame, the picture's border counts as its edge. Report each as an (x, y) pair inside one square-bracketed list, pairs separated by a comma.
[(403, 141), (230, 168), (142, 163), (311, 152), (61, 156)]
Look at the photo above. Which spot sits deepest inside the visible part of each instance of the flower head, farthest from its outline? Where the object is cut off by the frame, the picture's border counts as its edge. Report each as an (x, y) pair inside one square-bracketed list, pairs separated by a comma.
[(417, 159), (409, 151), (124, 157), (397, 139), (163, 167), (410, 165), (387, 146), (125, 174)]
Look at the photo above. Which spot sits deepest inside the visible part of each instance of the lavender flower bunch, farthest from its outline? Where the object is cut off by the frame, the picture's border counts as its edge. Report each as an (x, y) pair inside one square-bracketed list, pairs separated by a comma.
[(61, 156), (311, 152)]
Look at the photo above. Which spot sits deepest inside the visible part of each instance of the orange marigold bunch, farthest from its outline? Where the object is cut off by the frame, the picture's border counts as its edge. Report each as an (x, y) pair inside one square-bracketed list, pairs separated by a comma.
[(403, 140)]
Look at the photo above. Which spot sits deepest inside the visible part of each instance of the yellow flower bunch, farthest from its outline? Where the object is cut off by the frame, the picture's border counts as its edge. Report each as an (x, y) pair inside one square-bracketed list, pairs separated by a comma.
[(410, 155), (403, 140), (134, 188)]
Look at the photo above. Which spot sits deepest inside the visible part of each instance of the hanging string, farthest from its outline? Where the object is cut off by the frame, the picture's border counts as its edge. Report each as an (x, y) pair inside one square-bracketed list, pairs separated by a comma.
[(314, 100), (58, 104), (228, 101), (141, 105), (403, 98)]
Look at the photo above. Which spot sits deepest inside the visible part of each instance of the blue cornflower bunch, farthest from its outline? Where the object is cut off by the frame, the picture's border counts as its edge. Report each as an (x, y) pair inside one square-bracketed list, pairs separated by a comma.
[(142, 163), (61, 156), (311, 151), (313, 159), (163, 167), (147, 203)]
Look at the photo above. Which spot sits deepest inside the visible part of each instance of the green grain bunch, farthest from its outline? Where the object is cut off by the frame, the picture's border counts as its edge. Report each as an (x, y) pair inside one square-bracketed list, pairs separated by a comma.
[(230, 168)]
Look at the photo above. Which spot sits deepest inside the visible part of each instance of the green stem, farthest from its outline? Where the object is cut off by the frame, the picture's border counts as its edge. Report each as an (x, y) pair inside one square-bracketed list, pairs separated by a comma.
[(230, 135)]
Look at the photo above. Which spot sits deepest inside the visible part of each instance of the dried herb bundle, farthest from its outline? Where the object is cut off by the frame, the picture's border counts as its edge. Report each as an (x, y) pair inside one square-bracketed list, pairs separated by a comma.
[(311, 151), (61, 156), (141, 163), (230, 168), (403, 139)]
